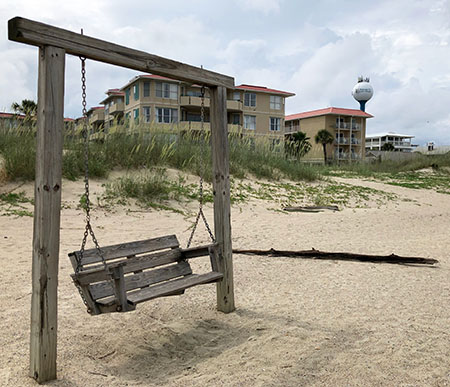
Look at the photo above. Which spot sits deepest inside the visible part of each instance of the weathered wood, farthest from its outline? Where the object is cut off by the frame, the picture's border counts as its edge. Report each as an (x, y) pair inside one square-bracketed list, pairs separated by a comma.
[(197, 251), (310, 208), (47, 207), (214, 254), (148, 261), (91, 304), (121, 250), (119, 288), (221, 190), (139, 280), (40, 34), (168, 288), (317, 254)]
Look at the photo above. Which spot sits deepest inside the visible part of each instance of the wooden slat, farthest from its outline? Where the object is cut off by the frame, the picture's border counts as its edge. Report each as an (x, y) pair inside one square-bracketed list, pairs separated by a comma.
[(91, 256), (171, 287), (133, 264), (40, 34), (139, 280), (197, 251), (221, 189), (47, 209)]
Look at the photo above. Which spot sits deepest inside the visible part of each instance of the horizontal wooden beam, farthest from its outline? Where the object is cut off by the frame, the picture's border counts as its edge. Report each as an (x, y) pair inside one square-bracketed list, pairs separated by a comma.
[(40, 34)]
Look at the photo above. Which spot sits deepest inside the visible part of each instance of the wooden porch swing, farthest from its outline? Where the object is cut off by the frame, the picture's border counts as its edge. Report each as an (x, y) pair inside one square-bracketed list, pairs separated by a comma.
[(134, 270)]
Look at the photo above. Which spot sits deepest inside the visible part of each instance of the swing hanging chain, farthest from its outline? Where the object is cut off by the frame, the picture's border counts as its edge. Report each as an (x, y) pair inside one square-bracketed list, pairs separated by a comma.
[(88, 229), (200, 199)]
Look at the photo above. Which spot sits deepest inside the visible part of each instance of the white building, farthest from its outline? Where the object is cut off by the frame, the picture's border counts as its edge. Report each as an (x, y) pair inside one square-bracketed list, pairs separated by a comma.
[(401, 142)]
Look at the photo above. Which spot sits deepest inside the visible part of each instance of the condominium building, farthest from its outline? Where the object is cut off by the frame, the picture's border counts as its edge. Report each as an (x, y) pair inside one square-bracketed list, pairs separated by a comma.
[(347, 126), (114, 107), (251, 110), (400, 142)]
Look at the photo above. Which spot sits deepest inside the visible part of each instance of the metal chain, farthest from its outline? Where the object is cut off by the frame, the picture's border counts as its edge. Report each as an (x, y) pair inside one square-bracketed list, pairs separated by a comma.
[(88, 228), (200, 210)]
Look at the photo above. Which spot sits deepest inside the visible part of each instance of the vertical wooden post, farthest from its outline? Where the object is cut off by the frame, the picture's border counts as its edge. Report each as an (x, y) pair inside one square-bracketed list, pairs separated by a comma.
[(221, 188), (47, 207)]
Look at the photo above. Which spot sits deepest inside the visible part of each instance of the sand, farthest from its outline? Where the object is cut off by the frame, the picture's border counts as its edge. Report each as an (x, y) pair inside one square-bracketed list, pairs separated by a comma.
[(297, 323)]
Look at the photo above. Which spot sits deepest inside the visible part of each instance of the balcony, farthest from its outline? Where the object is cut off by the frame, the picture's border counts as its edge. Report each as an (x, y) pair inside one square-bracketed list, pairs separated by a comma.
[(347, 125), (191, 101), (97, 116), (292, 129), (117, 108), (197, 126), (342, 141)]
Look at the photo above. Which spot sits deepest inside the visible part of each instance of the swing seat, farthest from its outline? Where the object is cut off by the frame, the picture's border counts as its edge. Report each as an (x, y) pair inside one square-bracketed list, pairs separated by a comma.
[(139, 271)]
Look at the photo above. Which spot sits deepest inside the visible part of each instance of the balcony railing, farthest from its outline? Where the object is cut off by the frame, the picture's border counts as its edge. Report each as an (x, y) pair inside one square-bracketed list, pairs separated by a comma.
[(116, 108), (348, 126), (97, 116), (187, 100)]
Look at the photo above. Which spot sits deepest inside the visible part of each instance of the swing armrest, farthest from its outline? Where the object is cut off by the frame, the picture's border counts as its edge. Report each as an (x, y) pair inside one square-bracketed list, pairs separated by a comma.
[(87, 277), (200, 251), (197, 251)]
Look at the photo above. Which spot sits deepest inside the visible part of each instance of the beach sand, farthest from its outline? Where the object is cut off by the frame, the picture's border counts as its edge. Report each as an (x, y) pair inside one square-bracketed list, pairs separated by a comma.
[(297, 322)]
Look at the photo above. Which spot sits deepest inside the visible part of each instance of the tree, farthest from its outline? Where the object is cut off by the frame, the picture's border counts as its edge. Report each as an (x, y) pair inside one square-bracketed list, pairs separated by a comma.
[(324, 137), (28, 108), (387, 147), (297, 144)]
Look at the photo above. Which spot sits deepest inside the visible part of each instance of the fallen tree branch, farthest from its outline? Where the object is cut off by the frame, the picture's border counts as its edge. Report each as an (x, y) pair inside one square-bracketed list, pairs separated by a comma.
[(310, 208), (317, 254)]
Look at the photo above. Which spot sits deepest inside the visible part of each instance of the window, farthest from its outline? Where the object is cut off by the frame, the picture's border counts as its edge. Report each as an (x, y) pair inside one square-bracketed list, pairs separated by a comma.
[(249, 99), (146, 89), (275, 102), (275, 124), (250, 122), (136, 115), (193, 93), (236, 119), (136, 91), (146, 112), (127, 96), (166, 90), (236, 96), (166, 115)]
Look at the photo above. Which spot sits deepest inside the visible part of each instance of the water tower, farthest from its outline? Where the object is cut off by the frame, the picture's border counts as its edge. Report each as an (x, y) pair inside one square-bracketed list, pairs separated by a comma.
[(362, 92)]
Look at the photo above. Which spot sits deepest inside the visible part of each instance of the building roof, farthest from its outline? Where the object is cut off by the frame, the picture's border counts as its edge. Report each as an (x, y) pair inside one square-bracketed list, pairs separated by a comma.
[(150, 76), (11, 115), (112, 93), (263, 89), (326, 111), (390, 134)]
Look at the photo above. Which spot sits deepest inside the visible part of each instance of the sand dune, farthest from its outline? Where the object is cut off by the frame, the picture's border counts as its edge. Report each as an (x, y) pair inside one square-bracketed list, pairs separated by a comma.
[(297, 322)]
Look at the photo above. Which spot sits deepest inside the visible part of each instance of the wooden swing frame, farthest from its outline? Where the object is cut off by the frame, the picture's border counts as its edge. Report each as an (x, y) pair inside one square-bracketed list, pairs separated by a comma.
[(54, 43)]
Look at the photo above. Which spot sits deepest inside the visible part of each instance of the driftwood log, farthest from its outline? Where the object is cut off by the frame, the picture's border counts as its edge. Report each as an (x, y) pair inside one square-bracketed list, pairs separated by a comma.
[(311, 208), (317, 254)]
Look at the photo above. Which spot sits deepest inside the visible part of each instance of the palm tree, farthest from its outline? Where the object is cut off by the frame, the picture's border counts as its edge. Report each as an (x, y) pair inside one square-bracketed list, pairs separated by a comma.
[(28, 108), (298, 144), (388, 147), (324, 137)]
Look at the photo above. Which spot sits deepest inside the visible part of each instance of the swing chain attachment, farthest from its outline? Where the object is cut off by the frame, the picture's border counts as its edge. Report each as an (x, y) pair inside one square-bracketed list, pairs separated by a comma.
[(87, 204), (200, 191)]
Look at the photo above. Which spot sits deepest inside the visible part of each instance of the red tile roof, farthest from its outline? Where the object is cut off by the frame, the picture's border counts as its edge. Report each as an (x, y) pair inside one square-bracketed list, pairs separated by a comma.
[(11, 115), (326, 111), (115, 92), (264, 89)]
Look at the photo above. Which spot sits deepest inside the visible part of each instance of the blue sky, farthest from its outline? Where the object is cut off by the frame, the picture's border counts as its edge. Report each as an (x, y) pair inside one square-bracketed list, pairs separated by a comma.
[(314, 49)]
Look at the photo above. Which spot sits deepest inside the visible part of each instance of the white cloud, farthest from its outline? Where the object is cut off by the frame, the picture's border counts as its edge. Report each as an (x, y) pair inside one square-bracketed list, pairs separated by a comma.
[(264, 6)]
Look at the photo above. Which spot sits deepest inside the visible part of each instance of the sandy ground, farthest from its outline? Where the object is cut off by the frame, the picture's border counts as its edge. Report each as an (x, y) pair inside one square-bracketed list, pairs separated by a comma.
[(297, 323)]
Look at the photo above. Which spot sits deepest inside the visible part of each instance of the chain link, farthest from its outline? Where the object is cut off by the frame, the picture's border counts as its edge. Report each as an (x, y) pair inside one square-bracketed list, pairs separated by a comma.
[(88, 228), (200, 210)]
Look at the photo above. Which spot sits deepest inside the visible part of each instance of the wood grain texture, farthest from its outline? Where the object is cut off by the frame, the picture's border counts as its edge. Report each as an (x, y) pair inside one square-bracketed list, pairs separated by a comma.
[(139, 280), (40, 34), (168, 288), (124, 250), (47, 207), (221, 190)]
